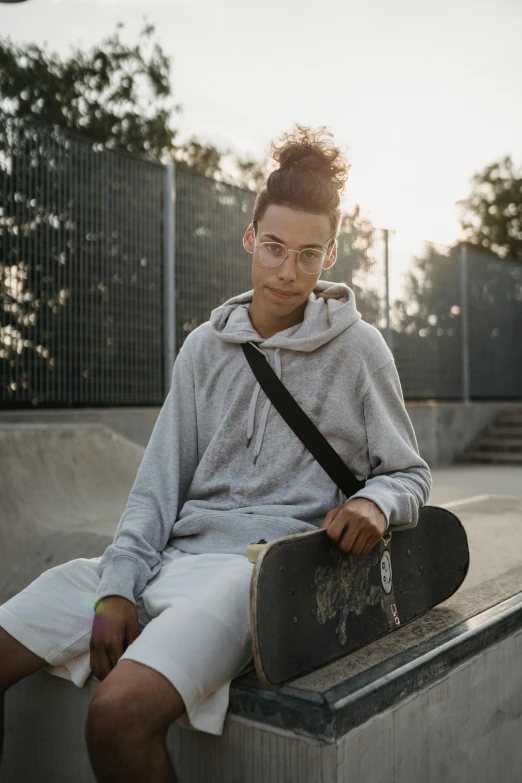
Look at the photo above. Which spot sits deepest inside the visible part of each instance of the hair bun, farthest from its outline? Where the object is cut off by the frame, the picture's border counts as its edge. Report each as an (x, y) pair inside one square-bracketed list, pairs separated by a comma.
[(313, 149)]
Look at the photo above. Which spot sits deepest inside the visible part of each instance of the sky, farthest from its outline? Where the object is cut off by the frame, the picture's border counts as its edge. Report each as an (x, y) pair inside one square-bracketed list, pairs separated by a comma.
[(420, 95)]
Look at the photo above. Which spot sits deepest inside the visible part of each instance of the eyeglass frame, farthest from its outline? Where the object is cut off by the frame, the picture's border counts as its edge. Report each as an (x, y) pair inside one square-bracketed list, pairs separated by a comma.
[(291, 250)]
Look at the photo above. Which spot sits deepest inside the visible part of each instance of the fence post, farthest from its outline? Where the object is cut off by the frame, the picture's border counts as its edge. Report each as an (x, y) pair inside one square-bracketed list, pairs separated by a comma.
[(389, 339), (464, 322), (169, 260)]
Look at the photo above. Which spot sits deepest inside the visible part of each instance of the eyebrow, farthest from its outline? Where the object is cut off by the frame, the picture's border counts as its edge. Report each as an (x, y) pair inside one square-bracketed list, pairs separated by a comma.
[(299, 247)]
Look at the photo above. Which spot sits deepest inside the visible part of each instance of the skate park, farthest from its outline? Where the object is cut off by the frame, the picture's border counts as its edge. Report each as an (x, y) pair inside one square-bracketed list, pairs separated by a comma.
[(447, 683), (99, 296)]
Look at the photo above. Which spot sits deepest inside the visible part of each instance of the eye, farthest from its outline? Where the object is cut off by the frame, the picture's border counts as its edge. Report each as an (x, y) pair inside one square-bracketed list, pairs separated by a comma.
[(311, 255), (274, 247)]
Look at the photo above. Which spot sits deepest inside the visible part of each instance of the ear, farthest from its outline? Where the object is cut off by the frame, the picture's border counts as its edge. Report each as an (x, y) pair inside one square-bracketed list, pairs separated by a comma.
[(331, 258), (249, 239)]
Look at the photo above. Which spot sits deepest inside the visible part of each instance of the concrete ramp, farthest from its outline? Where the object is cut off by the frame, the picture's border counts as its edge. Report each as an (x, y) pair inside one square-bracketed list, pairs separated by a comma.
[(63, 489)]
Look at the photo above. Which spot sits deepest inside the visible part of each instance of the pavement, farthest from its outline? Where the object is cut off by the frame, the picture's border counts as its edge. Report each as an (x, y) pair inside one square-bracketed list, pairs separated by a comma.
[(459, 482)]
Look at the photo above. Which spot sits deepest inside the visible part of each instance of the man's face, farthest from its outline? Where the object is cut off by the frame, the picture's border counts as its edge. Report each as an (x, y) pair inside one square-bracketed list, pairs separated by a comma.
[(295, 230)]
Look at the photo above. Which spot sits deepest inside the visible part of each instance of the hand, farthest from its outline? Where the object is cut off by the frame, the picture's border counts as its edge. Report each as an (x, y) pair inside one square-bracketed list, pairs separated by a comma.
[(356, 526), (115, 624)]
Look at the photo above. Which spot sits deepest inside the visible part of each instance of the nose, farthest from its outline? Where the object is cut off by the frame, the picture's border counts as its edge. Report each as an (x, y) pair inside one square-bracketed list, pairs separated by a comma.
[(288, 269)]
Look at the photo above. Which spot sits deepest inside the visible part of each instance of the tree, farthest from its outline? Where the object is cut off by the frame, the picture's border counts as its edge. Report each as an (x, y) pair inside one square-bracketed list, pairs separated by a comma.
[(355, 263), (116, 94), (492, 214)]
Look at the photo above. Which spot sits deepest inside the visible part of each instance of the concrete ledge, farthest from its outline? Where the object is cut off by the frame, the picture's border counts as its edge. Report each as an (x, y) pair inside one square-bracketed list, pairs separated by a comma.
[(330, 714), (135, 424), (451, 710)]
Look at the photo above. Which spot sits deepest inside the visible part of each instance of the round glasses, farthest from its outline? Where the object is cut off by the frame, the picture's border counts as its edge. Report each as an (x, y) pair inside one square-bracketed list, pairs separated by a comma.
[(309, 259)]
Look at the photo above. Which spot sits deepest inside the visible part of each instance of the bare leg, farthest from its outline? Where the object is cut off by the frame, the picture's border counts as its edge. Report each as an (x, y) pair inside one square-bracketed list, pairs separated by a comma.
[(137, 760), (127, 723), (16, 662)]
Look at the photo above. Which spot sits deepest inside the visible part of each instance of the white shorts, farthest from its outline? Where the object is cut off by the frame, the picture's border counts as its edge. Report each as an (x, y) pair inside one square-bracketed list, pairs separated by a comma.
[(195, 616)]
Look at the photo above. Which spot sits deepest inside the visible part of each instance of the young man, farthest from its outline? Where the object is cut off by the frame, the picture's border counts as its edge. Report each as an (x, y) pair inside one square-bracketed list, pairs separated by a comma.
[(167, 622)]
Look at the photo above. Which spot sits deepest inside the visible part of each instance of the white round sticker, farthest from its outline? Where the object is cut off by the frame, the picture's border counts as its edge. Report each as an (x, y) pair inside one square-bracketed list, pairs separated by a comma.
[(386, 571)]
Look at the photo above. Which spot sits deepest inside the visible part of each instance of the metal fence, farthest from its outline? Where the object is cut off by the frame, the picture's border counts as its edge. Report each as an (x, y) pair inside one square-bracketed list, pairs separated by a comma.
[(211, 264), (108, 262), (456, 329), (81, 272)]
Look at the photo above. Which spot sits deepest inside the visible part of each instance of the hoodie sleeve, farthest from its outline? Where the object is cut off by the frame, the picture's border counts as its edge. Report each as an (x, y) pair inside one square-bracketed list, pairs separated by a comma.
[(157, 494), (400, 480)]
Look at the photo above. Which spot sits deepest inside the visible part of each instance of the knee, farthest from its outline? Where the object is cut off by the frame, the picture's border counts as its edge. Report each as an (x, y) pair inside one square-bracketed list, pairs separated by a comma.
[(107, 723), (115, 721)]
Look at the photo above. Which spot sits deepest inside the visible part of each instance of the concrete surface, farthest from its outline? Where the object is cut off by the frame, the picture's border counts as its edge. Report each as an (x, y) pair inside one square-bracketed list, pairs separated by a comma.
[(132, 423), (460, 482), (63, 489), (443, 429)]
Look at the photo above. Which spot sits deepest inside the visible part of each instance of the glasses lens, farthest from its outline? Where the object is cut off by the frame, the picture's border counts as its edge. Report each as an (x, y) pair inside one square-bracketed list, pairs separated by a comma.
[(311, 260), (271, 253)]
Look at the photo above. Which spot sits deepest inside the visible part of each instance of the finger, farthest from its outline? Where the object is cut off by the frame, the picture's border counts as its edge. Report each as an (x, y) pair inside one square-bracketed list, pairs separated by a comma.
[(337, 528), (133, 631), (114, 650), (100, 663), (349, 535), (360, 542), (370, 544), (331, 515)]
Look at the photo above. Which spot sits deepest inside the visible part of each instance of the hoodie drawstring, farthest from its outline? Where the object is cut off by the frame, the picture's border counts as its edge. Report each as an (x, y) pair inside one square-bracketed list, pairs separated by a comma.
[(266, 409)]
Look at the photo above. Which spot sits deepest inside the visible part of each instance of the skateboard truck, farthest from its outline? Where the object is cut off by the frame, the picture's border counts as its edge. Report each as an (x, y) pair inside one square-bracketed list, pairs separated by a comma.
[(253, 550)]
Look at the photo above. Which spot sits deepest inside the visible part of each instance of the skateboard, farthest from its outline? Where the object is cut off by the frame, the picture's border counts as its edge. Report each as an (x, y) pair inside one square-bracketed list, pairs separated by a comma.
[(312, 603)]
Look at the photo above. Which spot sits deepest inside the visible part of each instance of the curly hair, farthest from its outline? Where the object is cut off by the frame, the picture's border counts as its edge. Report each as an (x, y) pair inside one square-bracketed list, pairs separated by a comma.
[(311, 176)]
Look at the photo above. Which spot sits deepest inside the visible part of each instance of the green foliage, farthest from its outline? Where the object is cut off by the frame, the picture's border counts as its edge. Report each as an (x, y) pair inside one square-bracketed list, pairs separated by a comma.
[(492, 214), (355, 263), (115, 94), (251, 174)]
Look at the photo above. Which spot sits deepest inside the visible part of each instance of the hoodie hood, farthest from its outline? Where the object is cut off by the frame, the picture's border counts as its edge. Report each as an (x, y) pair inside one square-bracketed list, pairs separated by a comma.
[(329, 311)]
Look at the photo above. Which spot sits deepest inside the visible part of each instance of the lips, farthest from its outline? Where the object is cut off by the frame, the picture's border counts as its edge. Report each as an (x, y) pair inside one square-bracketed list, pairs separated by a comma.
[(281, 294)]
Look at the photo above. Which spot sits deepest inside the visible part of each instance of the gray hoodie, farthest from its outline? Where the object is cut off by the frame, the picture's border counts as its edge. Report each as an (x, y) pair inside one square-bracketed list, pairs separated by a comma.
[(222, 469)]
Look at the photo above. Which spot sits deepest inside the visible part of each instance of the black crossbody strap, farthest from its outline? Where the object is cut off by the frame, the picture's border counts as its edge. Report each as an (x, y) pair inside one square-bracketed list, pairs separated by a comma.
[(299, 422)]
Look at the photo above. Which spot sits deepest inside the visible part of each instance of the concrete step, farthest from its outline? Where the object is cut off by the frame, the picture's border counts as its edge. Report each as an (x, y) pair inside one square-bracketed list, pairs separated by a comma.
[(509, 444), (512, 458), (504, 430), (511, 418)]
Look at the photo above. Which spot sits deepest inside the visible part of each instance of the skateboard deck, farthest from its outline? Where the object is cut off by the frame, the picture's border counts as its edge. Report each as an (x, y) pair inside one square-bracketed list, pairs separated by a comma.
[(312, 603)]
